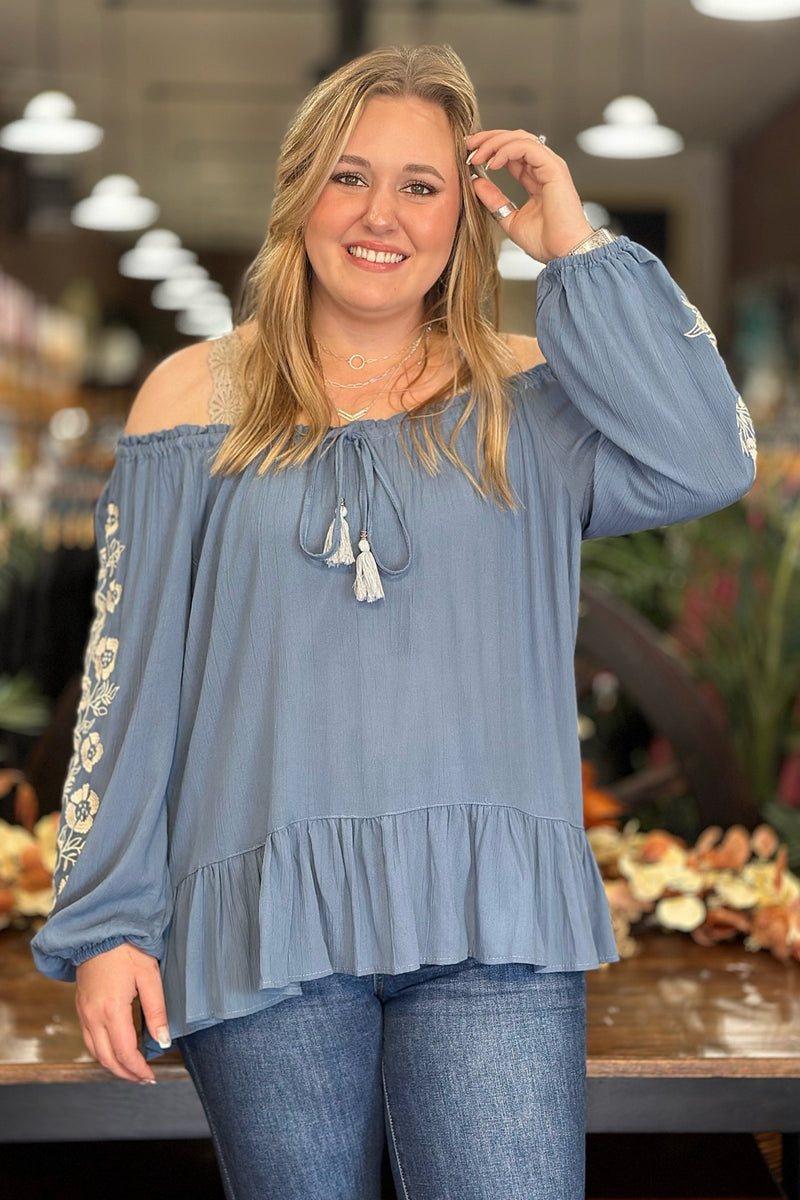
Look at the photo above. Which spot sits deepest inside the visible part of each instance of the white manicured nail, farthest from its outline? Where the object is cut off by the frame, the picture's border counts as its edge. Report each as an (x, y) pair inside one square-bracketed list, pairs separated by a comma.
[(163, 1038), (471, 155)]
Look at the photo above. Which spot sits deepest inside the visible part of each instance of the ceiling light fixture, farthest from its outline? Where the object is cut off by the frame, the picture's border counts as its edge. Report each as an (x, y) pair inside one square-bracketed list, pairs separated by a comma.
[(182, 287), (514, 263), (748, 10), (630, 126), (630, 130), (49, 126), (157, 254), (115, 205), (209, 316)]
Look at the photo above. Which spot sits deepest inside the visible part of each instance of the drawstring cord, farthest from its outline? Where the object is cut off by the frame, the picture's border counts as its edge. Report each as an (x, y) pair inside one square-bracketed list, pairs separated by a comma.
[(337, 549)]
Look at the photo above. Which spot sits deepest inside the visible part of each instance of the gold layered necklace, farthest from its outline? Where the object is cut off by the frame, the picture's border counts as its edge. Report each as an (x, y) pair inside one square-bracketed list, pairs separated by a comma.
[(357, 362)]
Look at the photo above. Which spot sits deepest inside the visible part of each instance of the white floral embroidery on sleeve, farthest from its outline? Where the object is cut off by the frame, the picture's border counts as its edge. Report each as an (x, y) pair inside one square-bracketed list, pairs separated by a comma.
[(747, 434), (701, 325), (81, 802)]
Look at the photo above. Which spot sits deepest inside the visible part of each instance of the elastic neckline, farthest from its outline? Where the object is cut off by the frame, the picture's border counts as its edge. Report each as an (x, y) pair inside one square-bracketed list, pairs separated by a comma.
[(173, 433), (380, 426)]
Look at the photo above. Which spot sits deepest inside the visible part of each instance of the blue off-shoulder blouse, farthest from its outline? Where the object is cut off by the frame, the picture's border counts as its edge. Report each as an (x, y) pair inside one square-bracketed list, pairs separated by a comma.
[(274, 780)]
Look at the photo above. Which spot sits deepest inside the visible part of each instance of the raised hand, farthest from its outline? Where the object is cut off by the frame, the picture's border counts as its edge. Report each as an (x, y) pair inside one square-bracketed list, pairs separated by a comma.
[(552, 221)]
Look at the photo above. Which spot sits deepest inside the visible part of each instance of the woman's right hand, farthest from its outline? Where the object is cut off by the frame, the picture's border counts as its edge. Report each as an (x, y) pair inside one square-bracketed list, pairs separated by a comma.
[(106, 987)]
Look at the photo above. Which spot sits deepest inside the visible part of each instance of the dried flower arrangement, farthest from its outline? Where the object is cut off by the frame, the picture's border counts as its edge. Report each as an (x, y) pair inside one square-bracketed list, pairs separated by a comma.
[(725, 885), (26, 871)]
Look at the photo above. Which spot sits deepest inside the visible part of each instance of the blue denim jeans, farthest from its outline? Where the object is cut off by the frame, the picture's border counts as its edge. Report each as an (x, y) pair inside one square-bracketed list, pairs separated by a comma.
[(474, 1073)]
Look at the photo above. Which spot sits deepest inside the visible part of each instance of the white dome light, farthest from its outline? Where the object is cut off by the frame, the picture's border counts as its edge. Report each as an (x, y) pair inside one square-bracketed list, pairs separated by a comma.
[(630, 130), (157, 254), (49, 126), (596, 214), (748, 10), (209, 316), (182, 286), (514, 263), (115, 204)]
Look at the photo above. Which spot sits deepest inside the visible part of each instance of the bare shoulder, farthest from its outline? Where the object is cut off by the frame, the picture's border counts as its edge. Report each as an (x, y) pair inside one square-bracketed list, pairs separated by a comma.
[(525, 350), (176, 392)]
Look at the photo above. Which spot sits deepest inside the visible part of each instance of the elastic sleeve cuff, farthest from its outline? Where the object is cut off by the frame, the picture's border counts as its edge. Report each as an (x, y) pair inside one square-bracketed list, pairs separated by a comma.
[(62, 966), (87, 952), (566, 263)]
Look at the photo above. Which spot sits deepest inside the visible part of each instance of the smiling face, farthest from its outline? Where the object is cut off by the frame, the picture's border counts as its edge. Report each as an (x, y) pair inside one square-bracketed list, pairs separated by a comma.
[(382, 229)]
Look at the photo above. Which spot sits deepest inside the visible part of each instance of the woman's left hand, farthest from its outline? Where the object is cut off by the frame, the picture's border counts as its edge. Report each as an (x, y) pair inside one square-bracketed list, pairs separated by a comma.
[(552, 220)]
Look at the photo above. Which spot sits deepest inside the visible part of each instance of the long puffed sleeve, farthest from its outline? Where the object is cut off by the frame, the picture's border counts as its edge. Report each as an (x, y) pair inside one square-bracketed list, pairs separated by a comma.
[(647, 426), (111, 878)]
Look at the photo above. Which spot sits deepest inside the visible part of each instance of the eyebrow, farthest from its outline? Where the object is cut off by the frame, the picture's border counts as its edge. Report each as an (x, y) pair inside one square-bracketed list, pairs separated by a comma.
[(418, 168)]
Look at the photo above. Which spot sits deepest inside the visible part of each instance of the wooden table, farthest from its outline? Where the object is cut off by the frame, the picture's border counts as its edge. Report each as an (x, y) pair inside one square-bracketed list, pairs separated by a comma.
[(685, 1039), (680, 1039)]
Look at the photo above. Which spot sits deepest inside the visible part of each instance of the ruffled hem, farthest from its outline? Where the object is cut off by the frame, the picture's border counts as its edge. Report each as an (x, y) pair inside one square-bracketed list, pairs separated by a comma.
[(384, 895)]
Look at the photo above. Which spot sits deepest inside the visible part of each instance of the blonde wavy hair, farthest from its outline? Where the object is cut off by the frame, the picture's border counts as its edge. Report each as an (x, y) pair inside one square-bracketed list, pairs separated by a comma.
[(280, 369)]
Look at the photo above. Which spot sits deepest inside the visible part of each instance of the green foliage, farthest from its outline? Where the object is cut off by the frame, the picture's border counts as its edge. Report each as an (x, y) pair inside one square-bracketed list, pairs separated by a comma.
[(641, 569), (786, 823), (23, 708), (726, 589), (19, 553)]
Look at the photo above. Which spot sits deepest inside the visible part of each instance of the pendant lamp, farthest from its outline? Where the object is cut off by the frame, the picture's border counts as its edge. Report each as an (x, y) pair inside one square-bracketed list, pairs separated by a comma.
[(748, 10), (49, 126), (115, 205), (630, 127), (156, 255)]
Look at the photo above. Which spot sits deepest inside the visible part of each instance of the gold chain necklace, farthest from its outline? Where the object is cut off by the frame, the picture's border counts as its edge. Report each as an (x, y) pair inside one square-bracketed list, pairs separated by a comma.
[(362, 361), (375, 378), (347, 417)]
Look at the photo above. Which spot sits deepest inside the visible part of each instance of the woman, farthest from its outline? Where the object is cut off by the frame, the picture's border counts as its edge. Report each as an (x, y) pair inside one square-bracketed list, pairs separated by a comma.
[(326, 784)]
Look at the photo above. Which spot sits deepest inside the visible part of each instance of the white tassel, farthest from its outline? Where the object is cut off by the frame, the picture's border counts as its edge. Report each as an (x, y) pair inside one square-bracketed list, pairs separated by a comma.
[(367, 585), (344, 551)]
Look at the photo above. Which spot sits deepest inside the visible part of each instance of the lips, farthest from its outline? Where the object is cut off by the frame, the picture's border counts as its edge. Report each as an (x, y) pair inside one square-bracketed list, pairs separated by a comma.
[(367, 254)]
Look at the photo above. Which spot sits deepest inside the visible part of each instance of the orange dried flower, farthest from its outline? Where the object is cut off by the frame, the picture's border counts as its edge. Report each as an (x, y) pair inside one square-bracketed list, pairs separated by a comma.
[(706, 841), (721, 924), (35, 879), (622, 902), (770, 928), (733, 851), (656, 844), (764, 841), (600, 807)]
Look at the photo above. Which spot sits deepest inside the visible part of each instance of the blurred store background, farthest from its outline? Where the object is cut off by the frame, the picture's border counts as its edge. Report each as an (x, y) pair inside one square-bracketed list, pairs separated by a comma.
[(137, 148), (135, 132)]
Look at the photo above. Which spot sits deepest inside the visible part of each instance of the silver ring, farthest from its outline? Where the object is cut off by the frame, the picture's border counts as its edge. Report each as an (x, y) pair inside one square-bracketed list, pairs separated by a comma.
[(505, 210), (542, 137)]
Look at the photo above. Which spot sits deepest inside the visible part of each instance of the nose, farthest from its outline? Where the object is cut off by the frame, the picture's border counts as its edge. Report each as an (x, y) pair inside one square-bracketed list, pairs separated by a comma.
[(381, 213)]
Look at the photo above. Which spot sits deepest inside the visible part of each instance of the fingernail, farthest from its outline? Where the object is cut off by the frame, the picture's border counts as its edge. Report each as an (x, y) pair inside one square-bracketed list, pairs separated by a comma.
[(474, 176), (470, 156), (148, 1081), (163, 1038)]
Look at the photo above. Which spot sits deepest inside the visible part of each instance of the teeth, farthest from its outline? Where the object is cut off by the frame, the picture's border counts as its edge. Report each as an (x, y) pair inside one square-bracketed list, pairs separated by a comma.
[(376, 256)]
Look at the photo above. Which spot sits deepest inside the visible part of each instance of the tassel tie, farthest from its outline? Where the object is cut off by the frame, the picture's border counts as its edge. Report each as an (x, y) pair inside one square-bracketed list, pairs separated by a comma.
[(337, 550)]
